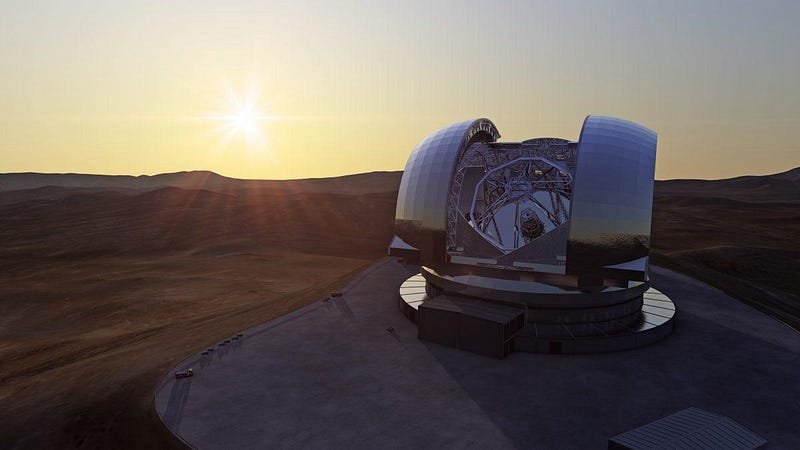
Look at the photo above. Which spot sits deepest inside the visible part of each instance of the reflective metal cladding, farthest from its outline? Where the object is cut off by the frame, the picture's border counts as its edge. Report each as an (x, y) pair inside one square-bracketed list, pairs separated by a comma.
[(421, 214), (541, 206), (612, 200)]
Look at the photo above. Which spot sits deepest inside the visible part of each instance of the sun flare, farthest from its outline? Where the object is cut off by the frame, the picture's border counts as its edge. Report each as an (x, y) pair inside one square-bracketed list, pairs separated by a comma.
[(241, 116), (245, 121)]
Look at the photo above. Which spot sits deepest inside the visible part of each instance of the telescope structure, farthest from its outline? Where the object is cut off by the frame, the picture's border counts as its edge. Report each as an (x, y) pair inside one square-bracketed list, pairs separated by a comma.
[(540, 245)]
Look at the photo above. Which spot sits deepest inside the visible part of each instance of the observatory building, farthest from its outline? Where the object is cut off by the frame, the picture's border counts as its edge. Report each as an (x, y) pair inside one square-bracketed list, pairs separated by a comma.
[(538, 246)]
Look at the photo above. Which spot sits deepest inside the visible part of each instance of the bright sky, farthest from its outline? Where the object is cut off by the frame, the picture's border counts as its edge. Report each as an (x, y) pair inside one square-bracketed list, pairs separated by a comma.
[(143, 87)]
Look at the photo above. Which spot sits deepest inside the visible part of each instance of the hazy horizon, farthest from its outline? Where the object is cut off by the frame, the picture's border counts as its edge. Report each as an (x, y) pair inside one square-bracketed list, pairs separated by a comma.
[(312, 89), (309, 177)]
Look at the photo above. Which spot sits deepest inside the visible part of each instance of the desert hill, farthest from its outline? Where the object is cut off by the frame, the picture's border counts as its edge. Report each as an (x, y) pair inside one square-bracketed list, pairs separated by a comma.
[(173, 219), (104, 288), (741, 235), (362, 183), (779, 187)]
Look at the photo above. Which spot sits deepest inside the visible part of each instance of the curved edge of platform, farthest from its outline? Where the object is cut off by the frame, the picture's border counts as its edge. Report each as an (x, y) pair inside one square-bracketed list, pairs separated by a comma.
[(198, 359)]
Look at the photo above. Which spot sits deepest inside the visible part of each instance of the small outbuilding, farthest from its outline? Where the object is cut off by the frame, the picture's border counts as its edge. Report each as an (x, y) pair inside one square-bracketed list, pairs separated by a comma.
[(690, 428), (468, 324)]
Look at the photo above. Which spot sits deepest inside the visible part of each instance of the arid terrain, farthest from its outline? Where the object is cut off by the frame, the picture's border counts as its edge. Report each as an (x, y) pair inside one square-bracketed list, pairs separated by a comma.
[(104, 289), (741, 235), (107, 282)]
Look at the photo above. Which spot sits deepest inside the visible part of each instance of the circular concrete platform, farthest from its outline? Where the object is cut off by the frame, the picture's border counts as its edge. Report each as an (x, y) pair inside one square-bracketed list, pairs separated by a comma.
[(651, 324), (325, 376)]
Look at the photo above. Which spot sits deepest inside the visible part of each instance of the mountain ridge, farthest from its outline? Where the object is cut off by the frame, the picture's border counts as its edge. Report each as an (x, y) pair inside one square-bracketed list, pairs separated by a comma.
[(193, 178), (778, 187)]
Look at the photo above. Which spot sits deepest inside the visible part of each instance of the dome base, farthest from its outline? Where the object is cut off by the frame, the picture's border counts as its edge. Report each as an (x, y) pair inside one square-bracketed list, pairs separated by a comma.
[(635, 322)]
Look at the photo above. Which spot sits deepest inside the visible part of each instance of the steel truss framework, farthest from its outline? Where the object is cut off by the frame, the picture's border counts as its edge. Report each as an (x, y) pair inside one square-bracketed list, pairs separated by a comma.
[(513, 174)]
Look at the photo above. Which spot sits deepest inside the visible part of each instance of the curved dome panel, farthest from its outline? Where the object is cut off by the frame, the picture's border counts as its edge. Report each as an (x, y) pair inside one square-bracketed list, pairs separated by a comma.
[(421, 215), (612, 199)]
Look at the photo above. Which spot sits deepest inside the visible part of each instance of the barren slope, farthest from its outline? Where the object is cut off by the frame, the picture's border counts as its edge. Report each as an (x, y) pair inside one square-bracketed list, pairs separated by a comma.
[(101, 292)]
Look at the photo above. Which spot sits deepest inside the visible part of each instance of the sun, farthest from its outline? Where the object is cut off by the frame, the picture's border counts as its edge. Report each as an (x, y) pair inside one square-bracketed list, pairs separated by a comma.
[(242, 117), (244, 120)]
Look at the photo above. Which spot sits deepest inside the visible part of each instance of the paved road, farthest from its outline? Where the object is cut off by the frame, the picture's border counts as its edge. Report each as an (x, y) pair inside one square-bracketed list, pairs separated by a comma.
[(331, 376)]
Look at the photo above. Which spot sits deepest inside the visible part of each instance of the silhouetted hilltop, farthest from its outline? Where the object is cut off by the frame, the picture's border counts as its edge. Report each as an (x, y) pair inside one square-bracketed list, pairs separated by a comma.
[(784, 186), (793, 174), (358, 183), (781, 187)]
